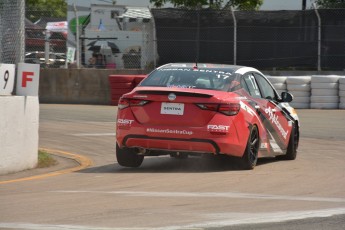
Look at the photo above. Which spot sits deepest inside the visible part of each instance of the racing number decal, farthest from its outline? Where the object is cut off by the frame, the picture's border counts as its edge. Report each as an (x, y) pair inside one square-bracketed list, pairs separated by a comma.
[(6, 77)]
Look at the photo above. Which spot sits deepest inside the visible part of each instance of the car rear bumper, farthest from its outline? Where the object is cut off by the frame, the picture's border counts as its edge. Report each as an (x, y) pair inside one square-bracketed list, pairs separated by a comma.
[(182, 145), (172, 144)]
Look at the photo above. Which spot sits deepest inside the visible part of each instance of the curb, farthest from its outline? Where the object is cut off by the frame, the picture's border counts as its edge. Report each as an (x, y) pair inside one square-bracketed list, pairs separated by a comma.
[(83, 162)]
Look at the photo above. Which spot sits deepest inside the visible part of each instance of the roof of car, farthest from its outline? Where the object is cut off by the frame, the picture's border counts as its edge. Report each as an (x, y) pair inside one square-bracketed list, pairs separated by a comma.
[(224, 67), (203, 65)]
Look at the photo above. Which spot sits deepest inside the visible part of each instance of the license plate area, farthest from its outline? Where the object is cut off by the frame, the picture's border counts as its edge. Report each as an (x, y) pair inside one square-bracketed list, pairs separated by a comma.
[(172, 108)]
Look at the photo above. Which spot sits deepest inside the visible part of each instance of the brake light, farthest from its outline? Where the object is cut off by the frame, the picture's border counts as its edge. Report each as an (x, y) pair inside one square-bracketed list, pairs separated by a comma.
[(126, 102), (212, 107), (137, 102), (229, 109), (123, 103)]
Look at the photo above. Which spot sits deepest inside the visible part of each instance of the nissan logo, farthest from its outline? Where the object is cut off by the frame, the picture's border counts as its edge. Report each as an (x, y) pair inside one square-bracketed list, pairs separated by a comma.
[(171, 96)]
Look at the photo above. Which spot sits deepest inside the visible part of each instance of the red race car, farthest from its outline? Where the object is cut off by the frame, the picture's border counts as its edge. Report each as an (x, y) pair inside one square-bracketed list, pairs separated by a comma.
[(194, 109)]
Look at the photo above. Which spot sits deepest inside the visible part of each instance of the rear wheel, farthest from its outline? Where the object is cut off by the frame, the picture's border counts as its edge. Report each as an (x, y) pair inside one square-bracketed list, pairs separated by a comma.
[(128, 157), (250, 156)]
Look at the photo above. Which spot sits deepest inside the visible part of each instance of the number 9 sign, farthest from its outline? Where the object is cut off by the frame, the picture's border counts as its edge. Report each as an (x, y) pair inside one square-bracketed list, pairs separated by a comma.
[(6, 78)]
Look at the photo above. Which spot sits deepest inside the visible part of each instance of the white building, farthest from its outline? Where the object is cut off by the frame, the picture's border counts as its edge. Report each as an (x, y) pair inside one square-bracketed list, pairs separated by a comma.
[(128, 29)]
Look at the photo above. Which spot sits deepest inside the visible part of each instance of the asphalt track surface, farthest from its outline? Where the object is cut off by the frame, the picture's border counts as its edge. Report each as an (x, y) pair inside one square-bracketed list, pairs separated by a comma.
[(166, 193)]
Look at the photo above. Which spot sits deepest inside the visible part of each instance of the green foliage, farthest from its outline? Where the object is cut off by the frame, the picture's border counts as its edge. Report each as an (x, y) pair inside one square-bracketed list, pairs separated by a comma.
[(45, 8), (215, 4), (330, 4), (246, 4), (45, 160)]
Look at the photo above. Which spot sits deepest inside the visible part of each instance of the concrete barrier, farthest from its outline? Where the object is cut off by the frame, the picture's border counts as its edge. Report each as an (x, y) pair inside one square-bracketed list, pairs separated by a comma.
[(91, 86), (78, 86), (19, 117)]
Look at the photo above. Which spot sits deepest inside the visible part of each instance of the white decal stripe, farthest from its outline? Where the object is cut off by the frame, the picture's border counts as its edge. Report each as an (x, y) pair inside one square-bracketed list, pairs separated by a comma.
[(273, 143), (244, 70)]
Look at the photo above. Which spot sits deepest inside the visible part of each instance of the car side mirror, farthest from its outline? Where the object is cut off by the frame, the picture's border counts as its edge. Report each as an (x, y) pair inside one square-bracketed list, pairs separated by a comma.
[(286, 97)]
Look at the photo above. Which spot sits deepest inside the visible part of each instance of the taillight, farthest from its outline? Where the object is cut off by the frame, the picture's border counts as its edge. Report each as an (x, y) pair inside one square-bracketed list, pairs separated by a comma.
[(137, 102), (126, 102), (123, 103), (229, 109)]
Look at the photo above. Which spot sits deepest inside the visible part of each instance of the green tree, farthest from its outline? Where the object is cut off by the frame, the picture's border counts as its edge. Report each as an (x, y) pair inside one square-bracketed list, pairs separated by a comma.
[(45, 8), (216, 4), (330, 3)]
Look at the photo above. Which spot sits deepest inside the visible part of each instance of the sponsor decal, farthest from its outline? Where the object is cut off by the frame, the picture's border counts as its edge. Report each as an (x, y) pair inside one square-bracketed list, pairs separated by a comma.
[(124, 121), (169, 131), (263, 146), (180, 86), (197, 70), (274, 119), (218, 128)]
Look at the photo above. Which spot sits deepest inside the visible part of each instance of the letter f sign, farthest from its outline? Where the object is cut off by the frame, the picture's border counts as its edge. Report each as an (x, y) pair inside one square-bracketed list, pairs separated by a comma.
[(26, 78)]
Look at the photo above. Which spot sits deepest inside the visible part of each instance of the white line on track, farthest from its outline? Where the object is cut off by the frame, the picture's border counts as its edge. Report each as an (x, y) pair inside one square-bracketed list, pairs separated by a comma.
[(217, 220), (211, 195)]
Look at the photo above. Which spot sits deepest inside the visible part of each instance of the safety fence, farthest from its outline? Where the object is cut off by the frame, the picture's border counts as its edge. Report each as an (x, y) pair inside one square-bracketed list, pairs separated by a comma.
[(311, 39), (307, 40), (12, 27)]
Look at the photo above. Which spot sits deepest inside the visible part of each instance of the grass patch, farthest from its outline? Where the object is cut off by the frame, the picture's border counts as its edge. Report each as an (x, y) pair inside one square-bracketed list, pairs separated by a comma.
[(45, 160)]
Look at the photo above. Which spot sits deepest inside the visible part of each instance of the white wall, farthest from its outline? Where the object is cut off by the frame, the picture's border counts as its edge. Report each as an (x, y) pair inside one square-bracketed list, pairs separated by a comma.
[(19, 122)]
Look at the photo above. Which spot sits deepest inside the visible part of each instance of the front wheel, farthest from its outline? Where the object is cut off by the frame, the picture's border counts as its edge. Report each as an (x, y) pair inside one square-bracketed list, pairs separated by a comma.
[(128, 157), (250, 156), (291, 152)]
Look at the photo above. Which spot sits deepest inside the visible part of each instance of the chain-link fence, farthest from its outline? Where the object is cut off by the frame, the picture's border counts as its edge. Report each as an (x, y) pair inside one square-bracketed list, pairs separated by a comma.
[(12, 31), (131, 38), (286, 40)]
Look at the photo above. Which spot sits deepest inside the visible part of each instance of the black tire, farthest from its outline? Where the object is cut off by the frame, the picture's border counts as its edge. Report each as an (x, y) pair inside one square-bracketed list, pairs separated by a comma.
[(291, 152), (128, 157), (250, 156)]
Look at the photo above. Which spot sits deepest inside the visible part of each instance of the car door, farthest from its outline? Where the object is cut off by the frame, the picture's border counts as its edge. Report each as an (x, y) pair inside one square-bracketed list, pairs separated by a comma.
[(265, 100)]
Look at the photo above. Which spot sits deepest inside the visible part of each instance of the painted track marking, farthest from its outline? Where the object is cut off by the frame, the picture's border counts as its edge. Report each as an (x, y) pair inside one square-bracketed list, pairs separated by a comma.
[(83, 162), (230, 195)]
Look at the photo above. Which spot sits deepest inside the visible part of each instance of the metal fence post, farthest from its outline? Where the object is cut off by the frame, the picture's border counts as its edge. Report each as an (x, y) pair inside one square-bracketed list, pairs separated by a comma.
[(77, 37), (21, 46), (319, 38), (197, 39), (235, 35), (154, 41)]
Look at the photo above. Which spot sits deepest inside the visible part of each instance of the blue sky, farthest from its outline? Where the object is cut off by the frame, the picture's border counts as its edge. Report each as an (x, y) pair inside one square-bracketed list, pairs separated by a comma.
[(268, 4)]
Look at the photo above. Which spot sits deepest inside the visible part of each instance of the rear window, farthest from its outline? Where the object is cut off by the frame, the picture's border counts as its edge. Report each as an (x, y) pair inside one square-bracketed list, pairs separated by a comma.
[(212, 79)]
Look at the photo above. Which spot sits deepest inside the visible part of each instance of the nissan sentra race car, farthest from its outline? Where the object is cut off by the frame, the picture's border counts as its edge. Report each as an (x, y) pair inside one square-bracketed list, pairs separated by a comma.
[(193, 109)]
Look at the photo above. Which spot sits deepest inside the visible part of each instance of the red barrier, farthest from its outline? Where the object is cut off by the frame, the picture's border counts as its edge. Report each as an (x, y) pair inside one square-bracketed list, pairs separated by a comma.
[(122, 84)]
